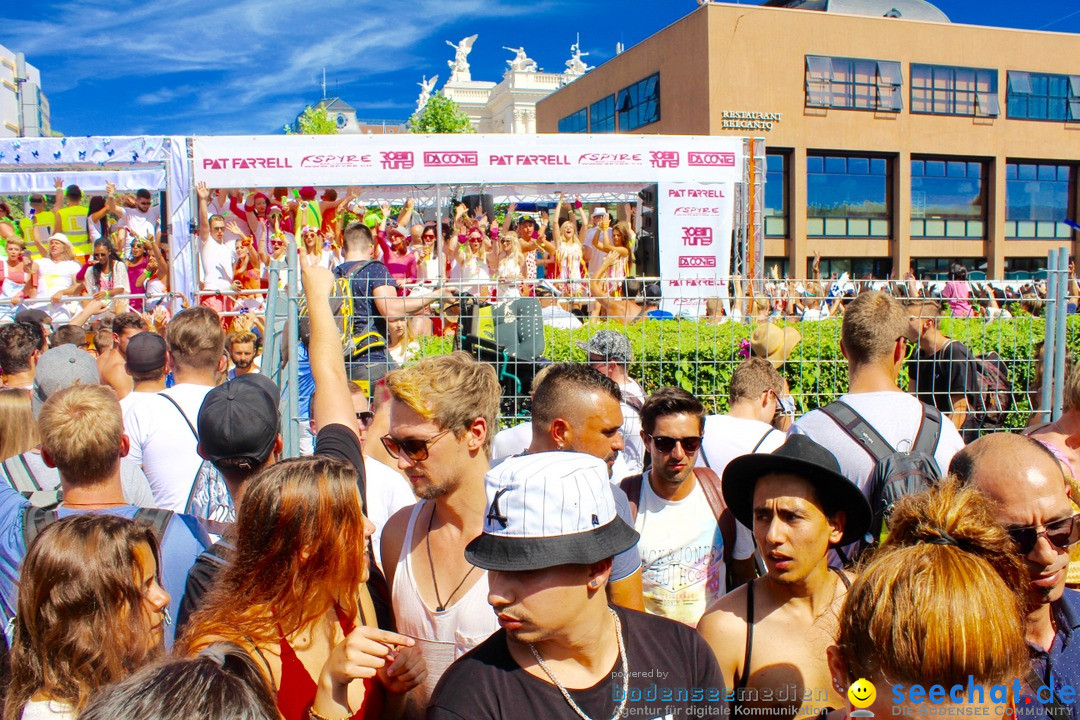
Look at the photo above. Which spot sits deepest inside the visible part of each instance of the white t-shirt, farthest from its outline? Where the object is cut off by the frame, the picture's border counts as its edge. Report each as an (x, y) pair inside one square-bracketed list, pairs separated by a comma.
[(726, 438), (55, 276), (511, 441), (593, 257), (682, 554), (218, 263), (164, 444), (387, 492), (634, 451), (894, 415), (137, 222), (557, 317)]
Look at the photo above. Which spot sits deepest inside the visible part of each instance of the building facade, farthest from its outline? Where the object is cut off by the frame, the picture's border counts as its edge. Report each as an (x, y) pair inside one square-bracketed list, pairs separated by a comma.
[(32, 118), (896, 139), (344, 116)]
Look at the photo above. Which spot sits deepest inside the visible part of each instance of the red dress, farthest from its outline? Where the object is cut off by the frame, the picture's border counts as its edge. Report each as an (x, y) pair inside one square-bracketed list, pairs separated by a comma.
[(297, 691)]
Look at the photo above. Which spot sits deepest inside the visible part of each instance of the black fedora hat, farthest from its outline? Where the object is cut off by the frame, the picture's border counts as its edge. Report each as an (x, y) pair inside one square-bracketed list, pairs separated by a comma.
[(804, 458)]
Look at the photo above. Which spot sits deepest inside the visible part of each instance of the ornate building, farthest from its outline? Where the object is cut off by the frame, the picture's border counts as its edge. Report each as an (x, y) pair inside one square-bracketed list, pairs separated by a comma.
[(508, 106)]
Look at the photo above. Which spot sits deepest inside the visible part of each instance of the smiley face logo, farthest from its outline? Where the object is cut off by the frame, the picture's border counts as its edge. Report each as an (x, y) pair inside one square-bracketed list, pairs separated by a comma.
[(862, 693)]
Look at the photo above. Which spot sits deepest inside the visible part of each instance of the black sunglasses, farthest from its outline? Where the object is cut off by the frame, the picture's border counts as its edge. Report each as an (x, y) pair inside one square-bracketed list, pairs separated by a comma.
[(666, 444), (416, 449), (366, 418), (1060, 533)]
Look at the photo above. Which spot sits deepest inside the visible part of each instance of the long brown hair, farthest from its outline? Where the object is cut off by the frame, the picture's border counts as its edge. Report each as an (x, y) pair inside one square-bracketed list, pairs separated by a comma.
[(18, 429), (79, 624), (299, 549), (941, 600)]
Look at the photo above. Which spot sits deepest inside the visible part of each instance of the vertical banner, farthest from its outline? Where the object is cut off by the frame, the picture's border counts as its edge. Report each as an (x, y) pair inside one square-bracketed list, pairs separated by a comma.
[(696, 223)]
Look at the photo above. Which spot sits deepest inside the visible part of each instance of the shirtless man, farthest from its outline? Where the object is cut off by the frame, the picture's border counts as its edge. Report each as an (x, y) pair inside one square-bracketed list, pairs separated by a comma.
[(626, 309), (770, 636), (111, 362)]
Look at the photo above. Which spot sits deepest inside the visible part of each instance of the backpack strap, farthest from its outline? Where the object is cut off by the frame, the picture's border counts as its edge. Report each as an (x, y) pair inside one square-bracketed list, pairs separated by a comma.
[(182, 414), (633, 401), (861, 431), (926, 440), (768, 432), (157, 518), (725, 519), (35, 520), (631, 485), (22, 477)]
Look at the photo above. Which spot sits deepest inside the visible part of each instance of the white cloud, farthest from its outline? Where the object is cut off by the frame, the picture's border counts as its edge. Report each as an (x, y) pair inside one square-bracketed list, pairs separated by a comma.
[(246, 64)]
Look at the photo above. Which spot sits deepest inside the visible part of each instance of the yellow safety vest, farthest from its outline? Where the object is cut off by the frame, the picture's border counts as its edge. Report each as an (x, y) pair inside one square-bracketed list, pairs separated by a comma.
[(72, 222), (42, 226)]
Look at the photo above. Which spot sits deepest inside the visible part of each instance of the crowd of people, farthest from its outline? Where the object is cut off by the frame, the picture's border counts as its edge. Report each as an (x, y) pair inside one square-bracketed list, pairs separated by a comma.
[(622, 553)]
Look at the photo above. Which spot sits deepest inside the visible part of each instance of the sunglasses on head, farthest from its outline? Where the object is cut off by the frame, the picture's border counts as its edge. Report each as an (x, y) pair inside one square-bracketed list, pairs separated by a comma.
[(1060, 533), (416, 449), (666, 444)]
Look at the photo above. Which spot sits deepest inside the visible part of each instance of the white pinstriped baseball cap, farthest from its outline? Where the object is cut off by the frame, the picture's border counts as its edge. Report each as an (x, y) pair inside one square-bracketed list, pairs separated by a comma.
[(549, 509)]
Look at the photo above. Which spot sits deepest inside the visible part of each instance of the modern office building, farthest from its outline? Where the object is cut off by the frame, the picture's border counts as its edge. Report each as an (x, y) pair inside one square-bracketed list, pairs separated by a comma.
[(895, 138), (26, 113)]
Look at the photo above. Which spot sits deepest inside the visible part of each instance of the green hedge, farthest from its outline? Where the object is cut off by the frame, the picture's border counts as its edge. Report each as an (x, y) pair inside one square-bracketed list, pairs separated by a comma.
[(700, 357)]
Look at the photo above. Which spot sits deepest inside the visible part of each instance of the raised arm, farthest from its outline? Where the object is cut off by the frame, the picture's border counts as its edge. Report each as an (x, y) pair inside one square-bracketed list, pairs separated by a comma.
[(332, 403), (509, 217), (58, 183), (204, 221)]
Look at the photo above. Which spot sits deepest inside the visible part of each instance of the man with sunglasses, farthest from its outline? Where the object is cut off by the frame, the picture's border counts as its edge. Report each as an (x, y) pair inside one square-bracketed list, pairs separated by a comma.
[(687, 533), (443, 412), (217, 257), (1026, 481)]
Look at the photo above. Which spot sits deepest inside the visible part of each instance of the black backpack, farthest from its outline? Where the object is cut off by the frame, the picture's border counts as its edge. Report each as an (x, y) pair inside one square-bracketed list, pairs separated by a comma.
[(896, 473)]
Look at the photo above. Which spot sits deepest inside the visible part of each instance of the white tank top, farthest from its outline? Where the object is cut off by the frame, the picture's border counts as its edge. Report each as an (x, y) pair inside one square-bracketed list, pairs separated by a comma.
[(441, 636)]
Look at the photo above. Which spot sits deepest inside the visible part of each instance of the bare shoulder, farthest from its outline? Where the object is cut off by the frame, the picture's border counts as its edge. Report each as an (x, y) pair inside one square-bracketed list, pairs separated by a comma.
[(726, 618), (393, 538)]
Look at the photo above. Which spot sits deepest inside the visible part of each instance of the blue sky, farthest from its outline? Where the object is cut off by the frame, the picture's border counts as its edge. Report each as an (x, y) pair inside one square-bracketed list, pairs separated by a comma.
[(130, 67)]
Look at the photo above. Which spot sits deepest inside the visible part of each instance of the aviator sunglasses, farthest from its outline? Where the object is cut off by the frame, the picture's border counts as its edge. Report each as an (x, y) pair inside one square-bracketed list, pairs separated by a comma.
[(1060, 533)]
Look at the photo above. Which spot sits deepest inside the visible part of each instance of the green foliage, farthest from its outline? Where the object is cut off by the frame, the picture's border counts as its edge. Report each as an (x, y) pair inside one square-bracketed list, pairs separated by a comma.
[(440, 115), (313, 121), (700, 357)]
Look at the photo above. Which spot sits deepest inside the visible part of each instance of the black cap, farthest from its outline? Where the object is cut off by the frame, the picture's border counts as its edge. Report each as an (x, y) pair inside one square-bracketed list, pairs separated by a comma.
[(804, 458), (239, 420), (34, 315), (146, 352)]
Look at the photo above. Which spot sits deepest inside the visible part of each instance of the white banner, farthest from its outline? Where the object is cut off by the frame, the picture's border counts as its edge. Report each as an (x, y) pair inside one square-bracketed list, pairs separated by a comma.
[(340, 160), (696, 223)]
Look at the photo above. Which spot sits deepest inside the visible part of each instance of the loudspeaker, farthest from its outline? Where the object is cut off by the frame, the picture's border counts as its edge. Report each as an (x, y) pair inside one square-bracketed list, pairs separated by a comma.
[(487, 202), (647, 255)]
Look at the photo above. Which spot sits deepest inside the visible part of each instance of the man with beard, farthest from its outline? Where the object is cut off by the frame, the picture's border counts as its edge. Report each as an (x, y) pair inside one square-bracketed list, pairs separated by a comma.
[(443, 416), (771, 634), (241, 348), (550, 533), (687, 533), (1027, 483), (577, 408)]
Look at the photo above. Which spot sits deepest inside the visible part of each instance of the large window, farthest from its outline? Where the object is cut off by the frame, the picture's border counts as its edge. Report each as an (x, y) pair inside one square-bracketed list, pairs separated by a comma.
[(1038, 96), (602, 115), (575, 122), (847, 196), (1038, 199), (854, 84), (776, 194), (948, 199), (937, 268), (945, 90), (639, 104)]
